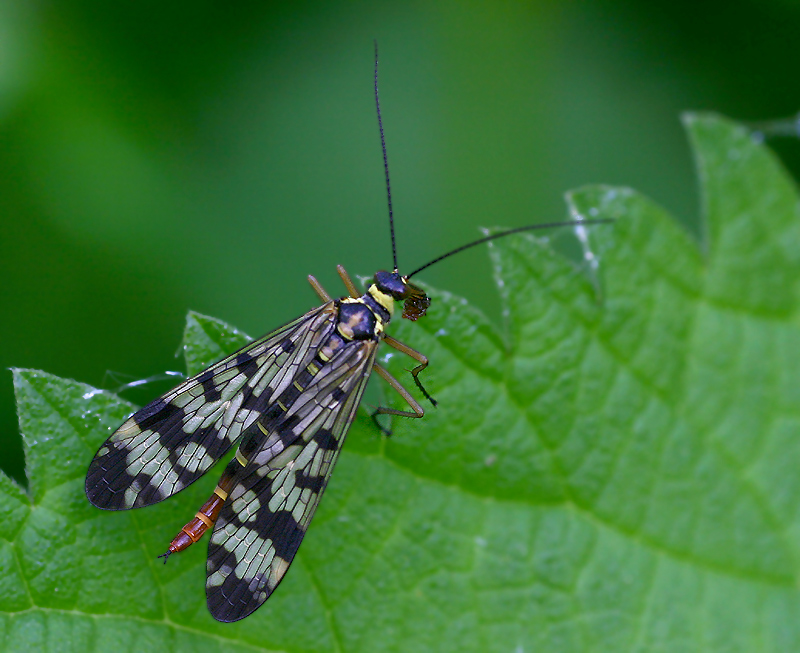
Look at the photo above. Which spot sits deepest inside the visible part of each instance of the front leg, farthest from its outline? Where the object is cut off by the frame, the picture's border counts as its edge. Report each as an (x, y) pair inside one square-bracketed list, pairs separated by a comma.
[(420, 358), (405, 394)]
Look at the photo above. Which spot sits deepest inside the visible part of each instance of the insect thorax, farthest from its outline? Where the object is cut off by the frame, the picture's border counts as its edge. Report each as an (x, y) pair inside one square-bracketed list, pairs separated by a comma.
[(361, 319), (364, 318)]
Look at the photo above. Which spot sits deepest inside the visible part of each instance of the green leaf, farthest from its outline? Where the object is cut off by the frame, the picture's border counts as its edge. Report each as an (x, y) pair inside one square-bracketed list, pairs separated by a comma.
[(615, 469), (206, 340)]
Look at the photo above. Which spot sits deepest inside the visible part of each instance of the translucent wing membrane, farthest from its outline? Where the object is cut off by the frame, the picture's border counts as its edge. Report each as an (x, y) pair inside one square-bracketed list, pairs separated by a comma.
[(172, 441), (288, 463)]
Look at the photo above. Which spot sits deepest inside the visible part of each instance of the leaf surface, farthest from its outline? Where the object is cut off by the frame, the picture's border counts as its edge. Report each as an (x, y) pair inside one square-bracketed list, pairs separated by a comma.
[(614, 468)]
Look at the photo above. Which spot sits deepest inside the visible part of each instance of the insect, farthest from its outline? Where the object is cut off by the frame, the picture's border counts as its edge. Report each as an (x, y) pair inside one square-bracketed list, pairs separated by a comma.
[(287, 400)]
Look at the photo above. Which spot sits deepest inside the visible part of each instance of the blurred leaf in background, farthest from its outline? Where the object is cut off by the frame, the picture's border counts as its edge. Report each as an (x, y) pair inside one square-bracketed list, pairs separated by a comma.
[(156, 158)]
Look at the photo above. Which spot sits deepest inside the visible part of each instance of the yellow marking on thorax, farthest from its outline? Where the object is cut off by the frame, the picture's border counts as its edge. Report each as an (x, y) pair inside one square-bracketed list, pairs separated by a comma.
[(222, 494), (297, 385), (345, 329), (241, 459), (387, 301)]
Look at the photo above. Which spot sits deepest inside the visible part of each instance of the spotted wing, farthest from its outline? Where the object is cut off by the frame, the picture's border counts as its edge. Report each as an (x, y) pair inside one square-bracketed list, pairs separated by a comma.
[(172, 441), (275, 495)]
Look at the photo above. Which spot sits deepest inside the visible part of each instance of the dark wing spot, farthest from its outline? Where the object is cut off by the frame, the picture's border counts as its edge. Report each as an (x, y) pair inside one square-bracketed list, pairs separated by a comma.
[(210, 390), (205, 376), (289, 396), (286, 534), (253, 401), (251, 441), (325, 440), (288, 424), (103, 493), (156, 411), (274, 412), (314, 483)]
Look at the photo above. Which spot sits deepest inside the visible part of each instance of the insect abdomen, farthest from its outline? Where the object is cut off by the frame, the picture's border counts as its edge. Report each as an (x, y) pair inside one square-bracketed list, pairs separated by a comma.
[(209, 511)]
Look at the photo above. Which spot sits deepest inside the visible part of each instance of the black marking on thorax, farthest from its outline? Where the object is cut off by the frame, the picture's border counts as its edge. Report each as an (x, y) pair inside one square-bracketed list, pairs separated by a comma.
[(357, 321), (382, 314)]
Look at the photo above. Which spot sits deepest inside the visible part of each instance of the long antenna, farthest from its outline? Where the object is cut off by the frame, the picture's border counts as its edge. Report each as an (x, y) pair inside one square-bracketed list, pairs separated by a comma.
[(530, 227), (385, 160)]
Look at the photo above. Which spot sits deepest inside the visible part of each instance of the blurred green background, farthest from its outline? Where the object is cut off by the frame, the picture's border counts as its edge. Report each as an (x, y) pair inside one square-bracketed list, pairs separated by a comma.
[(156, 157)]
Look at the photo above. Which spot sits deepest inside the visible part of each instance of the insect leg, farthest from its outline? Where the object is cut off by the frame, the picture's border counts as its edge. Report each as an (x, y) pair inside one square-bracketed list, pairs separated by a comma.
[(417, 410), (420, 358), (348, 282), (317, 286)]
